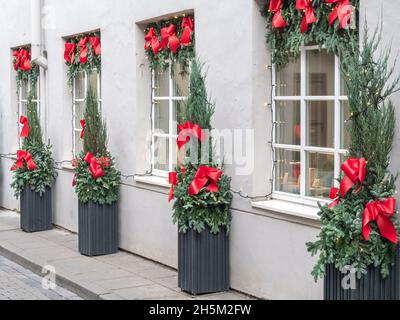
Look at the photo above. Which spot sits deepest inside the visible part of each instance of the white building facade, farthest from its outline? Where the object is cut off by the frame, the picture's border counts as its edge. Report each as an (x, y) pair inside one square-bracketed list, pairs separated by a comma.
[(268, 253)]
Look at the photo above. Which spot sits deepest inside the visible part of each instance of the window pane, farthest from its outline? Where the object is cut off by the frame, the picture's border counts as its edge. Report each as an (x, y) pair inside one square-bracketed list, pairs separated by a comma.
[(161, 154), (180, 82), (92, 80), (343, 88), (161, 116), (288, 80), (78, 143), (288, 171), (345, 141), (288, 129), (320, 73), (161, 83), (80, 86), (321, 124), (23, 109), (320, 177), (179, 112), (24, 90), (79, 114)]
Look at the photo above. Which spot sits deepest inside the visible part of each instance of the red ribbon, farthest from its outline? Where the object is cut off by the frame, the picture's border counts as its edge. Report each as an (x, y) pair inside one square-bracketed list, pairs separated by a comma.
[(168, 37), (334, 195), (341, 11), (83, 57), (204, 176), (25, 129), (381, 213), (188, 30), (308, 17), (22, 60), (83, 125), (355, 171), (186, 131), (96, 45), (94, 166), (173, 181), (69, 52), (24, 156), (277, 20), (152, 41)]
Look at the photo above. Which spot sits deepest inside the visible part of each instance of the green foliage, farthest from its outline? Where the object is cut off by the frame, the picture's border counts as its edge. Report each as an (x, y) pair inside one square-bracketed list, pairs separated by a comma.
[(286, 42), (369, 83), (44, 175), (30, 76)]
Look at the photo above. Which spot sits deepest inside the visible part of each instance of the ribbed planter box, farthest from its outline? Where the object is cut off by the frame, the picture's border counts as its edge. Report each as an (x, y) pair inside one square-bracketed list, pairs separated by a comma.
[(36, 212), (203, 262), (98, 229), (370, 287)]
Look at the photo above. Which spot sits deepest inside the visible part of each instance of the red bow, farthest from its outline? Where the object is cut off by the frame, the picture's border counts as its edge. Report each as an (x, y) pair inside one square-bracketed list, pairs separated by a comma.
[(381, 212), (83, 125), (69, 53), (25, 129), (186, 131), (355, 171), (341, 11), (188, 29), (152, 41), (173, 181), (24, 156), (277, 20), (168, 37), (309, 16), (94, 166), (75, 163), (84, 50), (96, 45), (334, 195), (22, 60), (203, 176)]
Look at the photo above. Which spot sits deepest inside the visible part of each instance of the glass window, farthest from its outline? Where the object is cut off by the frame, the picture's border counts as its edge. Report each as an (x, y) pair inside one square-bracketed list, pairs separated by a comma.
[(170, 91), (310, 125)]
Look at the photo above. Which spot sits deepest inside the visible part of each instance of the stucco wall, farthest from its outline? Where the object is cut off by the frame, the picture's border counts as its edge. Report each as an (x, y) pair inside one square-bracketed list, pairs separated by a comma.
[(269, 258)]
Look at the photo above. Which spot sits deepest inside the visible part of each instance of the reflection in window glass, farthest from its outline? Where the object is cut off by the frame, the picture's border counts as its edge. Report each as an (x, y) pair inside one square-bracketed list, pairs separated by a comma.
[(288, 80), (161, 82), (320, 73), (161, 153), (321, 124), (288, 122), (288, 171), (161, 116), (320, 174), (345, 135)]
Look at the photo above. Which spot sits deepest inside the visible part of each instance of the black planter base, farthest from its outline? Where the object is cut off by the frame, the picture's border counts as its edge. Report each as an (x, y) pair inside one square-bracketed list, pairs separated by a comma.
[(370, 287), (36, 212), (203, 262), (98, 229)]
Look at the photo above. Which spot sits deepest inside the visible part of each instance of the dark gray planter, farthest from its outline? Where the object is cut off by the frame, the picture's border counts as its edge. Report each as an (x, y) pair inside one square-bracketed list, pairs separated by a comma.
[(36, 212), (98, 229), (203, 262), (370, 287)]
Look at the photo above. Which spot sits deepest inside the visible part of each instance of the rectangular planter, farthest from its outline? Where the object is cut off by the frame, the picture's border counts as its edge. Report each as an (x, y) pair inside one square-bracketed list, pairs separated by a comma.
[(36, 211), (98, 229), (370, 287), (203, 262)]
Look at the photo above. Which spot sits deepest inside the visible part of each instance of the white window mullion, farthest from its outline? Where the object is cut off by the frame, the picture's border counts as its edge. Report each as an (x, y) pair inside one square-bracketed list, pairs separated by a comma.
[(338, 120), (171, 120), (153, 88), (303, 113)]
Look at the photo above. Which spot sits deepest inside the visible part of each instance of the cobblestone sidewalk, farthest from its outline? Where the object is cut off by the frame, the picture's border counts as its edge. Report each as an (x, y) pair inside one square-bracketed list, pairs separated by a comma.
[(17, 283)]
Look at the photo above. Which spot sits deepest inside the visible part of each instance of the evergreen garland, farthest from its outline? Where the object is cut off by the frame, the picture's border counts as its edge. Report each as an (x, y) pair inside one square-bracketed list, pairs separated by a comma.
[(26, 72), (370, 83), (286, 42)]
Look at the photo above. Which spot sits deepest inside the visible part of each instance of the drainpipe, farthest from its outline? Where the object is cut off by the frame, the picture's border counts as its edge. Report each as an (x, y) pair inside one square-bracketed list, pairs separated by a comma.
[(36, 32)]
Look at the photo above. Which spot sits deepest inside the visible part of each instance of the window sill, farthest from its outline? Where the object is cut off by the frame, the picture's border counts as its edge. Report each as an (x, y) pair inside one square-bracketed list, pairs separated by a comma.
[(67, 167), (154, 181), (290, 209)]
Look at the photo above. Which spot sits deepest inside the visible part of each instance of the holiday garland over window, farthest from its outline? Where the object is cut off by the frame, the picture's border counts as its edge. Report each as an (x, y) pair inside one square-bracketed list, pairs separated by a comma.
[(26, 71), (293, 23), (82, 52), (170, 41)]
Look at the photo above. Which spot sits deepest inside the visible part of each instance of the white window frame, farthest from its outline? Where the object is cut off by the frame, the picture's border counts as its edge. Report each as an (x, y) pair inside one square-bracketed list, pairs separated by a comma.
[(337, 151), (22, 101), (172, 124), (76, 131)]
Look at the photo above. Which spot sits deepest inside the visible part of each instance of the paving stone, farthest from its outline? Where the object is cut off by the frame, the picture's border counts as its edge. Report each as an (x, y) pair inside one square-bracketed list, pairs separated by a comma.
[(146, 292), (124, 283)]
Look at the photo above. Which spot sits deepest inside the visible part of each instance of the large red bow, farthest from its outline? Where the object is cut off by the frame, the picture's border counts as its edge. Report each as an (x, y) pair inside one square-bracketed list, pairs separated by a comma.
[(24, 156), (380, 212), (277, 20), (204, 176), (83, 125), (69, 52), (152, 41), (334, 195), (341, 11), (25, 127), (188, 29), (309, 16), (22, 60), (96, 45), (84, 50), (94, 166), (173, 181), (355, 172), (168, 37), (186, 131)]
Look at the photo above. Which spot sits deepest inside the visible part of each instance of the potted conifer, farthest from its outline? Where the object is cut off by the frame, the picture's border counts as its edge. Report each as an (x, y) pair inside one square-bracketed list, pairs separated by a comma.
[(202, 199), (34, 173), (358, 244), (97, 183)]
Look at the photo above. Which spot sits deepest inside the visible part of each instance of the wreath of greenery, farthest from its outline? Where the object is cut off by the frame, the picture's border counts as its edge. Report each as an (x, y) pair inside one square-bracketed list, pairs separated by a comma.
[(25, 76), (164, 58), (286, 42)]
